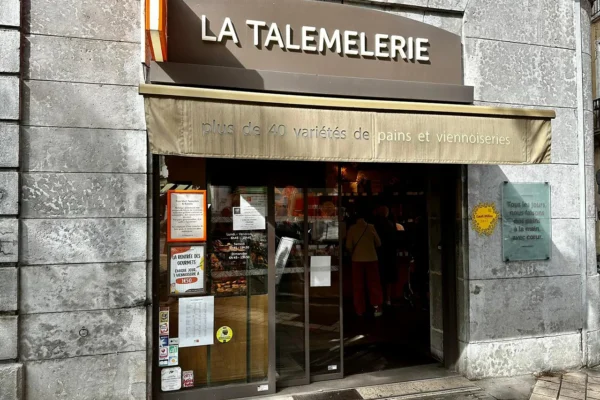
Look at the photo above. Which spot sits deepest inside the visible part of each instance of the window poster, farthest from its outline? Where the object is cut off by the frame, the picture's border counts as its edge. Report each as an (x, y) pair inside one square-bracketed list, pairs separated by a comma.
[(196, 321), (186, 270), (251, 214), (186, 219)]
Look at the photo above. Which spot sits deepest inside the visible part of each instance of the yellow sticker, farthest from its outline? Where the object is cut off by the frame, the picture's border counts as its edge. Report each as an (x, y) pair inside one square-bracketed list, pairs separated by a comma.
[(485, 218), (224, 334)]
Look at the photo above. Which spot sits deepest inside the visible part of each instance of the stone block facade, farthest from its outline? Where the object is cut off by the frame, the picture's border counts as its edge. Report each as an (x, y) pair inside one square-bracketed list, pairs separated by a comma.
[(75, 204), (550, 301), (83, 201), (11, 382)]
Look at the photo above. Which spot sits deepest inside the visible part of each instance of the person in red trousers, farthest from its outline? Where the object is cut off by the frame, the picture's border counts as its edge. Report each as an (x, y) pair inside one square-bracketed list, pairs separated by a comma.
[(362, 242)]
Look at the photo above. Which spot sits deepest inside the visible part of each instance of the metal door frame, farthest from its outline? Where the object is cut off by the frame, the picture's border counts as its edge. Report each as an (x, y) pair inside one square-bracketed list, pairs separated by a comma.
[(308, 377), (227, 391)]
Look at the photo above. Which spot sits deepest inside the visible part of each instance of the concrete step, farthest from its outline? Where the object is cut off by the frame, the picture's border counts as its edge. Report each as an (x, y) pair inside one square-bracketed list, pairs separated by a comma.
[(426, 388)]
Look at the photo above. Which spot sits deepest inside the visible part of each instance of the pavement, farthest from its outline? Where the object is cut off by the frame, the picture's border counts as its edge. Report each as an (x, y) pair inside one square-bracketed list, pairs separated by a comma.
[(453, 387), (578, 385), (574, 385)]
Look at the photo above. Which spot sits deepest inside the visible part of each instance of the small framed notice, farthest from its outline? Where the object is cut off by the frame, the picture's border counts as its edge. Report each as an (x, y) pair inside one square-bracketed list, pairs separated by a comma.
[(187, 269), (186, 216)]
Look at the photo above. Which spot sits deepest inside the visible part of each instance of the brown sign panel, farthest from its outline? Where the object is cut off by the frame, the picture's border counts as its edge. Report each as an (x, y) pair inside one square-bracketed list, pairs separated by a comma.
[(259, 130), (311, 37)]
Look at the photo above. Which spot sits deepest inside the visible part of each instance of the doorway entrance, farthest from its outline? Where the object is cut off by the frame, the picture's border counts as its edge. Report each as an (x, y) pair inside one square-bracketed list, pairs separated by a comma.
[(281, 274), (320, 333)]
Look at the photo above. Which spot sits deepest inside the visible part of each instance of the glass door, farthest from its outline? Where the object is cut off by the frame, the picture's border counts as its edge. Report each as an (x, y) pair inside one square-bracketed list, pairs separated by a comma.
[(236, 356), (324, 300), (308, 278), (291, 289)]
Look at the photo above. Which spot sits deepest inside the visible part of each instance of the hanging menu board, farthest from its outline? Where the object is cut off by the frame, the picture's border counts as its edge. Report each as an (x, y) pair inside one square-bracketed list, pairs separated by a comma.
[(186, 218), (526, 224)]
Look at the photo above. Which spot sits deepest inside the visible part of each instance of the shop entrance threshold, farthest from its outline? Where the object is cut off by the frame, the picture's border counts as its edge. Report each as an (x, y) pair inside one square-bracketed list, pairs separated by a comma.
[(399, 383)]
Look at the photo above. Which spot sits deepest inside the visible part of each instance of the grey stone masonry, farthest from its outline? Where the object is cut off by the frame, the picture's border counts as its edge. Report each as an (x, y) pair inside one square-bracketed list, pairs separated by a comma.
[(84, 201), (11, 386), (513, 61)]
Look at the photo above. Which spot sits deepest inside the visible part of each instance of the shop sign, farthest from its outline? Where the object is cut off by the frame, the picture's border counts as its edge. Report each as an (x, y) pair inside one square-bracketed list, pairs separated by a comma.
[(186, 270), (526, 222), (170, 379), (315, 38), (485, 218), (259, 131), (186, 215)]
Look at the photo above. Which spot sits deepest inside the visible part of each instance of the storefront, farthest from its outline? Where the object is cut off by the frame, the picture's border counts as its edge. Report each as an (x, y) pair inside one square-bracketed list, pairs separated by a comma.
[(269, 128)]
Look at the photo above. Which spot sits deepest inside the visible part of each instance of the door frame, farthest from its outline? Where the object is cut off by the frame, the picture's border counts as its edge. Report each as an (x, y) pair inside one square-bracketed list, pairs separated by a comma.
[(308, 377), (226, 391), (454, 182)]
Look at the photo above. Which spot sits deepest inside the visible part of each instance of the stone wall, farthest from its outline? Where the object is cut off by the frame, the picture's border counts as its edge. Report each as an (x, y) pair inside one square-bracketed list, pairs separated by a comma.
[(10, 83), (526, 316), (78, 290), (523, 317), (84, 201)]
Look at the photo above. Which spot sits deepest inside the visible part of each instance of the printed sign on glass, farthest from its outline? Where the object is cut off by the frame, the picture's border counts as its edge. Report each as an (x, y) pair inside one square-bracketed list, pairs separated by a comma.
[(196, 321), (526, 222), (188, 379), (186, 215), (170, 379), (250, 215), (186, 269)]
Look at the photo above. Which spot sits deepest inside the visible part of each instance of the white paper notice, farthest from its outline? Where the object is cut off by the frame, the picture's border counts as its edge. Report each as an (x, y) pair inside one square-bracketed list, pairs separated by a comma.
[(187, 216), (320, 271), (250, 215), (196, 321), (170, 379)]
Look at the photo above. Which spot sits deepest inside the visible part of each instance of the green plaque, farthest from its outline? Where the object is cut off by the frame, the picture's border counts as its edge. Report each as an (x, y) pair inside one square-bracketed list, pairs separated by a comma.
[(526, 229)]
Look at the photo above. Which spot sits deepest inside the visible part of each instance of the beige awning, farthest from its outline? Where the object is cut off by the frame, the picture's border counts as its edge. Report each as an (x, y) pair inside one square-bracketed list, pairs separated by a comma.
[(250, 125)]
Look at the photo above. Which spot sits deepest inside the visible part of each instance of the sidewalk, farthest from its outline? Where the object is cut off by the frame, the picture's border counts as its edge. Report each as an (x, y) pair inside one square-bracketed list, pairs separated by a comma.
[(580, 385), (446, 388)]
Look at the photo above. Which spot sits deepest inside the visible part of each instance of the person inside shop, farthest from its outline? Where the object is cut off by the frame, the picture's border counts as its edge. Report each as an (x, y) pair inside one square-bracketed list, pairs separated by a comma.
[(362, 242), (386, 253)]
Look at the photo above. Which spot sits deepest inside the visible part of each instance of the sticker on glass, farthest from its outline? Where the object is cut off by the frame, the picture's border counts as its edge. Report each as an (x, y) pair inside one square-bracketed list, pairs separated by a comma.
[(188, 379), (163, 341), (170, 379), (163, 315), (224, 334), (164, 328), (173, 355)]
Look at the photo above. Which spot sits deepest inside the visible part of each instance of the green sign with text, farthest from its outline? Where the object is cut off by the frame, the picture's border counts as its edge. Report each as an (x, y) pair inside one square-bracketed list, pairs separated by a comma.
[(526, 225)]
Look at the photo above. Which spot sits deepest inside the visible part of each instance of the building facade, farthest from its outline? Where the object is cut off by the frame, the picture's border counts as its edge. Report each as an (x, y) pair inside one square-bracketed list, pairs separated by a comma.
[(79, 296)]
